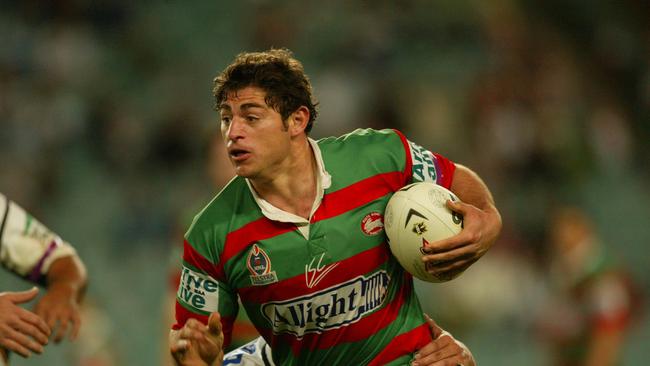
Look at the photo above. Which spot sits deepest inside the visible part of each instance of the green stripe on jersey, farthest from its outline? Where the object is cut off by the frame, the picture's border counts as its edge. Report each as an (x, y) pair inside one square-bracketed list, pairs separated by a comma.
[(231, 209), (382, 152)]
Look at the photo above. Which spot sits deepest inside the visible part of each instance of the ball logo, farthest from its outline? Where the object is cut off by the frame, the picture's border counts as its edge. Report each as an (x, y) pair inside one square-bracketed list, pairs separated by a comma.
[(259, 265), (372, 224), (419, 228)]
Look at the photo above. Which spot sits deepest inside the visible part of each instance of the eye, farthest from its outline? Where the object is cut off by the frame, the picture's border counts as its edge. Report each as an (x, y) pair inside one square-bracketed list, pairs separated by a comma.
[(225, 120), (251, 118)]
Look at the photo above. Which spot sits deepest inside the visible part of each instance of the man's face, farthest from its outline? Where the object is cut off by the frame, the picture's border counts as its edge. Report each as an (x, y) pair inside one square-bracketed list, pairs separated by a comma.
[(256, 139)]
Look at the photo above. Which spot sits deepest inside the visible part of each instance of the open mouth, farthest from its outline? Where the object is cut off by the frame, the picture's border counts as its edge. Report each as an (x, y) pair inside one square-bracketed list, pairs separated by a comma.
[(238, 154)]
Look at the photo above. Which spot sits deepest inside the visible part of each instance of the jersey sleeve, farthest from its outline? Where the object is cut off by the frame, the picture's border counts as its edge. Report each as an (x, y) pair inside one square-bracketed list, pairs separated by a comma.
[(423, 165), (254, 353), (202, 289), (27, 247)]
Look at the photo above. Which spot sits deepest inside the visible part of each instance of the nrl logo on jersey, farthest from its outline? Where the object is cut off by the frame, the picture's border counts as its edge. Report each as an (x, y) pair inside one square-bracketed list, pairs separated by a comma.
[(331, 308), (259, 265)]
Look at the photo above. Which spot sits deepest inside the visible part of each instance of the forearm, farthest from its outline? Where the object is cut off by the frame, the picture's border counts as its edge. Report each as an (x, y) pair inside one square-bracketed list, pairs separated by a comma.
[(68, 274)]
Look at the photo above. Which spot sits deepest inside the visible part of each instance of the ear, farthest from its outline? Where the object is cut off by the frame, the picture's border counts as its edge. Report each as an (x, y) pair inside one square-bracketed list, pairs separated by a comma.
[(298, 121)]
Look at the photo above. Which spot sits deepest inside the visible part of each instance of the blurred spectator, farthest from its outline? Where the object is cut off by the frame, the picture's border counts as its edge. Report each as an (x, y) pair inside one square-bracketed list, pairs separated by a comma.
[(592, 300)]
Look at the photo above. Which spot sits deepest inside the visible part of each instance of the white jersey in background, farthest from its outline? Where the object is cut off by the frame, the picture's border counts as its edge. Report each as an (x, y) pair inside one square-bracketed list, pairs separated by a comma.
[(254, 353), (27, 247)]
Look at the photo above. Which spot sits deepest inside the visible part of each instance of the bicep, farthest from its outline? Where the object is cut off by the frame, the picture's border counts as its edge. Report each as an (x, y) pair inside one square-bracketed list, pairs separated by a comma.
[(470, 188), (423, 165)]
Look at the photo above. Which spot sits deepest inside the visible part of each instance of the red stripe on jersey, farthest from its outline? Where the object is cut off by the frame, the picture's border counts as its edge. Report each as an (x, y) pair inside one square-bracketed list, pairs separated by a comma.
[(360, 330), (183, 315), (242, 238), (193, 257), (357, 265), (357, 194), (445, 170), (227, 325), (333, 204), (407, 173), (403, 344)]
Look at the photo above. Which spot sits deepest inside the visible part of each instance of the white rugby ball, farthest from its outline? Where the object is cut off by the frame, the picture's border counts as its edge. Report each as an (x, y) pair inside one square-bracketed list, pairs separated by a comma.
[(415, 216)]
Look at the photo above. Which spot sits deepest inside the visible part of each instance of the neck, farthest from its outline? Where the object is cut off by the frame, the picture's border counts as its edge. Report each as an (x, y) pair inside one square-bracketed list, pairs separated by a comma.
[(293, 186)]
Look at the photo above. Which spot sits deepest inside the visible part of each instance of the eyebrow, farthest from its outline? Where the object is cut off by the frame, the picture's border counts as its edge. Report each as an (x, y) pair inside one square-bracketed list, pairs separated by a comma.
[(244, 106)]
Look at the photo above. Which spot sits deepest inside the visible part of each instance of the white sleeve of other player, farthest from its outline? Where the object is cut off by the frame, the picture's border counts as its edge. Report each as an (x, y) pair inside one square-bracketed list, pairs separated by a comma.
[(254, 353), (27, 247)]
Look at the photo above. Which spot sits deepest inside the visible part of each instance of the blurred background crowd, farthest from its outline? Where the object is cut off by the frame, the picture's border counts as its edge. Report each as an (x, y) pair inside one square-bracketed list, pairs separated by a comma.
[(108, 136)]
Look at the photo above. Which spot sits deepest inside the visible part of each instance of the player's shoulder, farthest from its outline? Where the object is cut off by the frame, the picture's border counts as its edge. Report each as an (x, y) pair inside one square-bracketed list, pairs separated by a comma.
[(366, 141), (368, 135), (218, 213), (372, 152)]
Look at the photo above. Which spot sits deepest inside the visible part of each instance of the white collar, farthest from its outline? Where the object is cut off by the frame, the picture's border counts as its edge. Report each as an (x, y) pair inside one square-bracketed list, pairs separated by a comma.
[(323, 181)]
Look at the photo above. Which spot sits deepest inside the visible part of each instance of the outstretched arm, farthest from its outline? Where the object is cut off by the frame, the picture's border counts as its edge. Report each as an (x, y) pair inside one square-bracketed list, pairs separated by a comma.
[(31, 250), (481, 226), (59, 307)]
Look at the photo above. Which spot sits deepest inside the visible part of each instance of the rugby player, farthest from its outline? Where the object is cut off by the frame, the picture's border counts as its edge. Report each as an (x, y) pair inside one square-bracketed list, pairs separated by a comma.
[(290, 234)]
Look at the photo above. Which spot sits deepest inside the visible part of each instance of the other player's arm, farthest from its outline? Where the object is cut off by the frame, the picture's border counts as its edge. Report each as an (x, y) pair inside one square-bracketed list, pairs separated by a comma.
[(31, 250), (481, 225), (21, 331), (60, 306)]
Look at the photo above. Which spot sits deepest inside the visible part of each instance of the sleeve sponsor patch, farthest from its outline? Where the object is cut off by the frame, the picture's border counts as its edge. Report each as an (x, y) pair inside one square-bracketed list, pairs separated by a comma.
[(424, 164), (198, 290)]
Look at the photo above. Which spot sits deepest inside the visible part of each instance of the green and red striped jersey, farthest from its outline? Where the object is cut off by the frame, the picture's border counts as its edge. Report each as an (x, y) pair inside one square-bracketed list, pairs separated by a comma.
[(332, 295)]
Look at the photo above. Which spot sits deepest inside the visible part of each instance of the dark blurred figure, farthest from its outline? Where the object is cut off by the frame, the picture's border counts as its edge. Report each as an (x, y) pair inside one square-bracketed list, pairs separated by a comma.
[(592, 299)]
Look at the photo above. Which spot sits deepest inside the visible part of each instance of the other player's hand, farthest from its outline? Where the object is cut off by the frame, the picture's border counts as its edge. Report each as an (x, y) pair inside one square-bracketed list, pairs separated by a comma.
[(450, 256), (21, 331), (197, 344), (443, 350), (60, 310)]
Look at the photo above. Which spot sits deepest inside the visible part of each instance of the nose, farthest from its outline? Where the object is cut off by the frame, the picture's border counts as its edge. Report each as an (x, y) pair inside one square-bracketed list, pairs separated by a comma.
[(234, 130)]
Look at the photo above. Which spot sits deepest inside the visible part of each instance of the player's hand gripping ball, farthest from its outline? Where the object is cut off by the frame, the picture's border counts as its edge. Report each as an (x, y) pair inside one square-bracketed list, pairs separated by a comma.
[(415, 216)]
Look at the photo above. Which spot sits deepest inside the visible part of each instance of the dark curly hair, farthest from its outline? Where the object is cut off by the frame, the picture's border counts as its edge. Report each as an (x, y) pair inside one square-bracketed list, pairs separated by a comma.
[(275, 71)]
